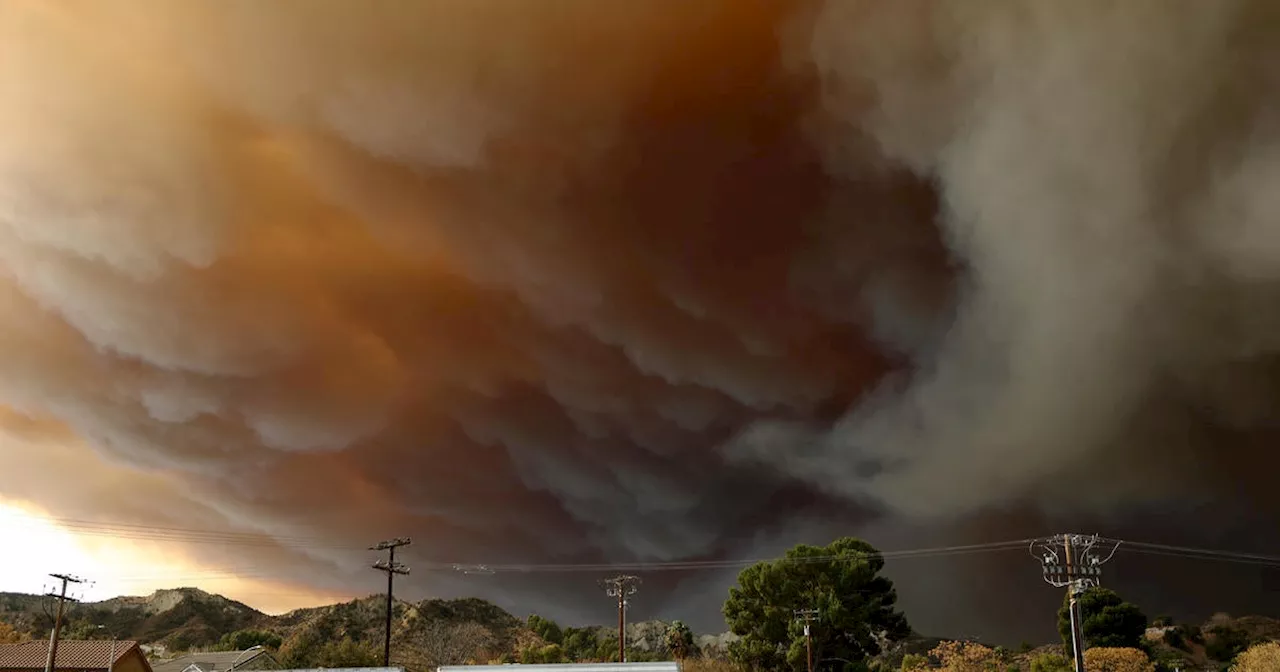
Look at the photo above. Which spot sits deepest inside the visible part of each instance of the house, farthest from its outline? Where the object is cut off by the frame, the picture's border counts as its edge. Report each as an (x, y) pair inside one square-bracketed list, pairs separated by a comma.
[(220, 661), (75, 656)]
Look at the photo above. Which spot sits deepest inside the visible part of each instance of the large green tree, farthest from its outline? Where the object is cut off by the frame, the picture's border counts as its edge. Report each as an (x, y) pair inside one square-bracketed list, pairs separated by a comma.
[(1106, 620), (841, 581)]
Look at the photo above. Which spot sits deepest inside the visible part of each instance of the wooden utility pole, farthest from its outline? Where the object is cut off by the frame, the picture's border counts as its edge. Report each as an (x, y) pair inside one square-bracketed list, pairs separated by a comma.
[(1073, 608), (1074, 562), (57, 621), (621, 587), (391, 567), (807, 616)]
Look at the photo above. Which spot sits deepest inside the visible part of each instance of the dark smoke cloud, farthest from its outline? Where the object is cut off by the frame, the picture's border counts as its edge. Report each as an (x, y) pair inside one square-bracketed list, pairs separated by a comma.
[(561, 281)]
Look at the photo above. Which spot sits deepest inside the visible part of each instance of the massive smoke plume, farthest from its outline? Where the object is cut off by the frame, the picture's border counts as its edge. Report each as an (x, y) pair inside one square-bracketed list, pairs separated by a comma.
[(580, 282)]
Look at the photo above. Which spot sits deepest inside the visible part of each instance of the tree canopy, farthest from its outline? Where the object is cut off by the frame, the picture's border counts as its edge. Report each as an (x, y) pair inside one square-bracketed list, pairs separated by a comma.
[(1106, 620), (855, 606), (679, 640), (546, 628), (9, 635), (1050, 662), (241, 640), (1117, 659), (956, 657), (1259, 658)]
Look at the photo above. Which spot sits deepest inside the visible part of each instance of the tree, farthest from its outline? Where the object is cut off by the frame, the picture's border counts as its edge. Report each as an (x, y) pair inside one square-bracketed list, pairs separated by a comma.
[(579, 644), (841, 581), (8, 635), (442, 643), (542, 655), (241, 640), (1106, 620), (914, 661), (1117, 659), (299, 652), (547, 629), (348, 653), (1259, 658), (679, 640), (607, 648), (964, 657), (1050, 662), (1226, 642)]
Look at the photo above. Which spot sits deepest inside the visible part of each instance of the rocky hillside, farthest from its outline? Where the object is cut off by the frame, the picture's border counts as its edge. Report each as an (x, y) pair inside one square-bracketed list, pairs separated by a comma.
[(437, 632), (181, 618), (178, 620), (424, 634)]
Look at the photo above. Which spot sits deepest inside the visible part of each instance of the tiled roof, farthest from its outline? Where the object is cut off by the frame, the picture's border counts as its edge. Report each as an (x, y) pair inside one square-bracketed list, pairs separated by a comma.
[(72, 654), (213, 660)]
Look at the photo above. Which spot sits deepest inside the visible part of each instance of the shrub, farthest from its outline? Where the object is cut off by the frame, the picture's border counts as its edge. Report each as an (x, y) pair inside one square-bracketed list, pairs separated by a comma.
[(1263, 657), (1050, 662), (1117, 659), (1226, 642)]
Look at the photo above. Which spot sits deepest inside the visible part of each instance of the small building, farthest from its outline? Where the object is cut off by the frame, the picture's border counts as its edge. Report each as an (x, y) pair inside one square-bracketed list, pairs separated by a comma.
[(220, 661), (671, 666), (75, 656)]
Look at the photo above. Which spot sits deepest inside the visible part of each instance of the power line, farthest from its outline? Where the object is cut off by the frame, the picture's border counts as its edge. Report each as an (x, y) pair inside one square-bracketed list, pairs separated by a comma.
[(685, 565), (186, 535), (1186, 556), (261, 539), (265, 539), (1199, 553), (391, 567)]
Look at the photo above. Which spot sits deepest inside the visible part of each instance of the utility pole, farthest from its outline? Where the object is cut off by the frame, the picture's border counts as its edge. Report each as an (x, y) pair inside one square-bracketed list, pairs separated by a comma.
[(1078, 568), (807, 616), (57, 621), (621, 587), (391, 567), (111, 661)]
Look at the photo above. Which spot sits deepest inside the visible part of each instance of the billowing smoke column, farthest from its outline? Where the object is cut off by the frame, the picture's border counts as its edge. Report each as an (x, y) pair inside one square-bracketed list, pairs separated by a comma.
[(579, 282)]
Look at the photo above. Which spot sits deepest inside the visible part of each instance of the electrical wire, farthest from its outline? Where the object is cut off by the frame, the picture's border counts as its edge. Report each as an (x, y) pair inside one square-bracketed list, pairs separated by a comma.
[(183, 535), (689, 565), (1201, 554), (188, 535)]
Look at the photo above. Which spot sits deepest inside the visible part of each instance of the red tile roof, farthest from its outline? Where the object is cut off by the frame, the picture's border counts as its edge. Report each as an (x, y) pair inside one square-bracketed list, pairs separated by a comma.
[(72, 654)]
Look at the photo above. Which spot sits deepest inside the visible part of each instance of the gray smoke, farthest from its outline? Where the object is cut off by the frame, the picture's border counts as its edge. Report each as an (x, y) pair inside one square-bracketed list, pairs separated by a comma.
[(564, 282)]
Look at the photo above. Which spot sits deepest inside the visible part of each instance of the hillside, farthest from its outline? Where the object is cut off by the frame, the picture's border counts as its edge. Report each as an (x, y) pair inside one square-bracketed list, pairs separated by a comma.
[(435, 632), (424, 634), (179, 618), (172, 621)]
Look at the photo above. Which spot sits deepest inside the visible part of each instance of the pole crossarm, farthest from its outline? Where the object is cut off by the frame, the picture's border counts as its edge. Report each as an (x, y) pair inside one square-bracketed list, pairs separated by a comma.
[(1080, 572)]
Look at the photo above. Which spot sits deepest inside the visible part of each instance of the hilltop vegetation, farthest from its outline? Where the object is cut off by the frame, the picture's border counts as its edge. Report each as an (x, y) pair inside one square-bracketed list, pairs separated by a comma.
[(840, 582)]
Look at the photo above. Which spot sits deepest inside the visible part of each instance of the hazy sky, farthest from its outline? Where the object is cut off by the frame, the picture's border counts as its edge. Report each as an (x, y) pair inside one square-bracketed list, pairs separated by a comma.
[(561, 282)]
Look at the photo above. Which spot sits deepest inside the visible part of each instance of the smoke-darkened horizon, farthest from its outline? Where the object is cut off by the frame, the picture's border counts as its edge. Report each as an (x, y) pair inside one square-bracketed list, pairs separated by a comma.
[(556, 282)]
